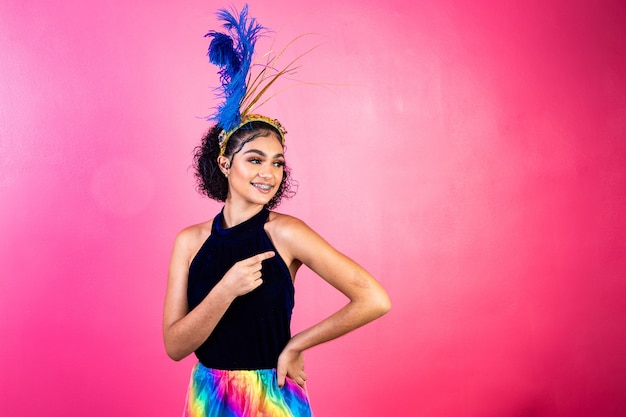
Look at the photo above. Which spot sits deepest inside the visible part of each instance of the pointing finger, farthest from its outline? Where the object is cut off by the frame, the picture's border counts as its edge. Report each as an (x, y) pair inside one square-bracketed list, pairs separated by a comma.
[(262, 256)]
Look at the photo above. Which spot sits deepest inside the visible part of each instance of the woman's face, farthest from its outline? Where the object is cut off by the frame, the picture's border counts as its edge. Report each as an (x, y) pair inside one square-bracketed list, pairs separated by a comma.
[(256, 171)]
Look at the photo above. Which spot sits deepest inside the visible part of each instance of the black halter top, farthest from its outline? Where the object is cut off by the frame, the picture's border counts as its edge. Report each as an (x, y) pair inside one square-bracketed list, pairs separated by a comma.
[(256, 326)]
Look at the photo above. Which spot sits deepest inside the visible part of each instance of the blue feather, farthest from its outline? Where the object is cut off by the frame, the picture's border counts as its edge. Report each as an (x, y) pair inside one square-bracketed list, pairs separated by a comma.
[(221, 52), (233, 52)]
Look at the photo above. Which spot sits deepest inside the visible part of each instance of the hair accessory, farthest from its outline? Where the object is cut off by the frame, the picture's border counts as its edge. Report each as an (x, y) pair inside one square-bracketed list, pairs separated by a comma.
[(224, 135), (240, 89)]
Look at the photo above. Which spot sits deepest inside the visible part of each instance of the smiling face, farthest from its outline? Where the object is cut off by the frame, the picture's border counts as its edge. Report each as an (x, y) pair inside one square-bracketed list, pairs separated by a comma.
[(256, 171)]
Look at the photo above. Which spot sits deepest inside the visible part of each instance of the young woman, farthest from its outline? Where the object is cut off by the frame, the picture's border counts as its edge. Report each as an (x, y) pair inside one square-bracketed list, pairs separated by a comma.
[(230, 289)]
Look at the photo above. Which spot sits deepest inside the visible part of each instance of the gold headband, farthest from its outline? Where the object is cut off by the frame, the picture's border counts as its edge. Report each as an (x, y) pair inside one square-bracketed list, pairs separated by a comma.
[(224, 136)]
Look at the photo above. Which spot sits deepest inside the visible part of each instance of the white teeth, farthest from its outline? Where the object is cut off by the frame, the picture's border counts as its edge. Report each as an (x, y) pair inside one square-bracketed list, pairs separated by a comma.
[(263, 186)]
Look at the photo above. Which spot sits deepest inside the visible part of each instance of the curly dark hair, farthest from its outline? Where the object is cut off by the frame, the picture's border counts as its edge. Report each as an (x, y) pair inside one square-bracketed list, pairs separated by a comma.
[(211, 182)]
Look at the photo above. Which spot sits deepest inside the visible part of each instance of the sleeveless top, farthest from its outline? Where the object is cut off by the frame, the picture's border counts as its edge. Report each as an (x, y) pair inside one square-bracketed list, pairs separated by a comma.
[(256, 327)]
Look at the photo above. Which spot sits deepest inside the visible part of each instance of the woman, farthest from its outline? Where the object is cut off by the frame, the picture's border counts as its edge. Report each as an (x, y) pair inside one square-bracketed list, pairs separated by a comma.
[(230, 289)]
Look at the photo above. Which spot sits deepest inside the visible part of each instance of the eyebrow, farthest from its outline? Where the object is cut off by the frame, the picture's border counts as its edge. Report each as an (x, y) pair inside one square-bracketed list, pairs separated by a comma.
[(278, 155)]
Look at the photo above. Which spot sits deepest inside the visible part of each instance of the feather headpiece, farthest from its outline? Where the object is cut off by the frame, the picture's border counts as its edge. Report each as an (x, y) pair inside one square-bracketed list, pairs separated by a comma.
[(240, 90)]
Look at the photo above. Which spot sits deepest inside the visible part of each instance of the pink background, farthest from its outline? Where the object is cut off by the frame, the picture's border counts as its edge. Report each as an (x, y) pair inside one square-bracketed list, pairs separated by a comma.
[(473, 159)]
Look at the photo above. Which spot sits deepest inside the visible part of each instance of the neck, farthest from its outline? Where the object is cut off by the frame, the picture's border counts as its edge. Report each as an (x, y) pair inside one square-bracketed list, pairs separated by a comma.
[(235, 214)]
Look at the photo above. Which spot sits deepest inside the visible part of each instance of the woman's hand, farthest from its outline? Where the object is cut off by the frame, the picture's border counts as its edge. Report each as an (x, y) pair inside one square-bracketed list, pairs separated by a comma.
[(244, 276), (291, 364)]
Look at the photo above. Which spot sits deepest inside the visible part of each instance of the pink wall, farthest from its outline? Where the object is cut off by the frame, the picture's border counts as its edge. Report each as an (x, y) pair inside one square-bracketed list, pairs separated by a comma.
[(475, 164)]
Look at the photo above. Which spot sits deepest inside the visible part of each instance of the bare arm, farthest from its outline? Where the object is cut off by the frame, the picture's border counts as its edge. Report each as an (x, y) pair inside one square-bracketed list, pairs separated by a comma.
[(367, 299), (183, 330)]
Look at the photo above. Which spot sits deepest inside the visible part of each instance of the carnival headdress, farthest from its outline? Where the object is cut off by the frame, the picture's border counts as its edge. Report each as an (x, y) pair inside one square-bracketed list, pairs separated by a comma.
[(240, 89)]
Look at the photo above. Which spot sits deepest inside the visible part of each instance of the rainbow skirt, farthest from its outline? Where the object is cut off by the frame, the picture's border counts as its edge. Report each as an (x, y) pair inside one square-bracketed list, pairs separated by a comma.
[(218, 393)]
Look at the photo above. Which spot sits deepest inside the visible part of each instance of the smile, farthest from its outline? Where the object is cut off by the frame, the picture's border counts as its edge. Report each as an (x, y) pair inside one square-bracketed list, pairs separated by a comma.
[(264, 187)]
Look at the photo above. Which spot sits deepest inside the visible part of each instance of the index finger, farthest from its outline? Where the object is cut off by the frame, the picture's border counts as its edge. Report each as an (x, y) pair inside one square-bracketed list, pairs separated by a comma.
[(261, 256)]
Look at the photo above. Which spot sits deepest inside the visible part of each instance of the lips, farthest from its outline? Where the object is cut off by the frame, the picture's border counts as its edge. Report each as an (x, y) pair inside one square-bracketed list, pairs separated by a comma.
[(262, 187)]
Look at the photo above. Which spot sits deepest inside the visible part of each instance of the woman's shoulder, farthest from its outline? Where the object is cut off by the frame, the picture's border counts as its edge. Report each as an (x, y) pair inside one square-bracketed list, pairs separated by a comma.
[(283, 223), (295, 240), (287, 233), (192, 237), (285, 227)]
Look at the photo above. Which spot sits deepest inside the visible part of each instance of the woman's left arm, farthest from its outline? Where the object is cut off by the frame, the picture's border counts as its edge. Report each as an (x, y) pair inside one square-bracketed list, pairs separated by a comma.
[(367, 298)]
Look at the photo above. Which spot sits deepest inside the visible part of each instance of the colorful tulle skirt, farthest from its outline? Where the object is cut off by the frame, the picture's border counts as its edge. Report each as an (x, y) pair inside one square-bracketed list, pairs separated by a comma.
[(218, 393)]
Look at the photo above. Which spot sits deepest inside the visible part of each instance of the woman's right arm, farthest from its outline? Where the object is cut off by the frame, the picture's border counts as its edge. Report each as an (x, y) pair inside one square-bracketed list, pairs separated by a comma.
[(183, 330)]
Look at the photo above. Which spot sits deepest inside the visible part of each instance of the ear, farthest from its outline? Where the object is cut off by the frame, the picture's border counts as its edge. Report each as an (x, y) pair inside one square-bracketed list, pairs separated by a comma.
[(224, 164)]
